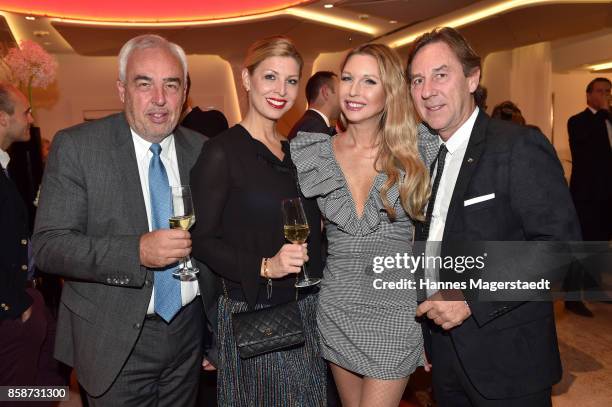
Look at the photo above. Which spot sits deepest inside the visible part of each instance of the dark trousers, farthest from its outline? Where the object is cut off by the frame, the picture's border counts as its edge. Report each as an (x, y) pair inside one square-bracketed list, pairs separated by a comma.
[(20, 345), (164, 366), (453, 388), (26, 351), (595, 219), (584, 279)]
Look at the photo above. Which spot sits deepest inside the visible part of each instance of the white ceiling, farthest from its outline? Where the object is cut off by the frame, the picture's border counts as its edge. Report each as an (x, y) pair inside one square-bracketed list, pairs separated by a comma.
[(553, 22)]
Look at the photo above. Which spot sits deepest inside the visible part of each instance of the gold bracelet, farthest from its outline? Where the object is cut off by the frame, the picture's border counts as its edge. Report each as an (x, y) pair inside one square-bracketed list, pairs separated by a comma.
[(265, 268)]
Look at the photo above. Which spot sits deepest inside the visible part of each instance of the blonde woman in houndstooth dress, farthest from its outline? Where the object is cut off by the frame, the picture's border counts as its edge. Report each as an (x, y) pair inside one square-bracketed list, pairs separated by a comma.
[(371, 185)]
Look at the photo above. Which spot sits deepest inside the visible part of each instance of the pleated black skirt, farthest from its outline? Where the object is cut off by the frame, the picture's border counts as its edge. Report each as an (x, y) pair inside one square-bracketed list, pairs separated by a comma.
[(292, 378)]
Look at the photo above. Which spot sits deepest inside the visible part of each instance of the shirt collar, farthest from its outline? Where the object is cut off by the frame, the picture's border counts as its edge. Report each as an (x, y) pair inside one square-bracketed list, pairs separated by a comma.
[(460, 138), (592, 110), (142, 146), (322, 115), (4, 158)]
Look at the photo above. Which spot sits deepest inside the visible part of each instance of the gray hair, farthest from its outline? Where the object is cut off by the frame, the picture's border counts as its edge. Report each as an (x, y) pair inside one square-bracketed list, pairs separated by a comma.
[(150, 41), (7, 102)]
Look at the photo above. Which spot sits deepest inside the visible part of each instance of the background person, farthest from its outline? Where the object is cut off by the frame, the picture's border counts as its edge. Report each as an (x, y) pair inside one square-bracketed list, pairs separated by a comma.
[(508, 111), (23, 324), (207, 122), (323, 105), (590, 137)]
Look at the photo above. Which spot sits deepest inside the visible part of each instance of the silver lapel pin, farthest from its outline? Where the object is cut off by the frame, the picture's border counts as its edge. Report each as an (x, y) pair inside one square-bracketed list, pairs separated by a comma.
[(470, 160)]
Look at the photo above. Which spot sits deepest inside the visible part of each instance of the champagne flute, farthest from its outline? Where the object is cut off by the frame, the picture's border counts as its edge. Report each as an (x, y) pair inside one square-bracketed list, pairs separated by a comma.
[(183, 217), (296, 231)]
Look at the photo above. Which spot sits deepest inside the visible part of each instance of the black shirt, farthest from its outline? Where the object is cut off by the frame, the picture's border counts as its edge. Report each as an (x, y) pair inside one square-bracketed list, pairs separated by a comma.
[(238, 185)]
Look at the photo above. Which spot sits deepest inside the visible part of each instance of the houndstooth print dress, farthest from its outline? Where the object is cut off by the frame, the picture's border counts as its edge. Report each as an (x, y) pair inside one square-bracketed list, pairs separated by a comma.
[(368, 331)]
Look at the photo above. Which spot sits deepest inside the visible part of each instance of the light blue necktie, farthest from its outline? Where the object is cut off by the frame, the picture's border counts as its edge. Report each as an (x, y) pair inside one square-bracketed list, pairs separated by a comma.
[(167, 288)]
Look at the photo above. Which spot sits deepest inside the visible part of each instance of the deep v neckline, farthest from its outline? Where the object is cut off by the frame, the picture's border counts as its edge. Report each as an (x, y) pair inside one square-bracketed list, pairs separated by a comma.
[(347, 185)]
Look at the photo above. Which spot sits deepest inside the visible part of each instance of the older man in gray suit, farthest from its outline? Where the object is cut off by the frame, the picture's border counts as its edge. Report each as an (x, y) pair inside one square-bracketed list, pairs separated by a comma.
[(132, 332)]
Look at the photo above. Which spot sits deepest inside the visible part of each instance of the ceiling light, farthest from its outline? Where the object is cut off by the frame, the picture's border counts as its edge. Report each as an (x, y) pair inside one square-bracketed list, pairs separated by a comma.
[(392, 21), (477, 12), (229, 20), (31, 18), (601, 67), (341, 22), (328, 5), (307, 14), (155, 11)]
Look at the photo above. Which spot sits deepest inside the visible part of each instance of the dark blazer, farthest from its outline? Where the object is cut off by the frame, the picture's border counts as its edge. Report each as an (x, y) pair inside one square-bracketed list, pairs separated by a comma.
[(310, 122), (591, 178), (509, 349), (14, 246), (25, 169), (207, 122), (88, 227)]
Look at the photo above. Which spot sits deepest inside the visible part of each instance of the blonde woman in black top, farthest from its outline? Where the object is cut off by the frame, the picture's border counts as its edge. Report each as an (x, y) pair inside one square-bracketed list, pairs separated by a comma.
[(239, 182)]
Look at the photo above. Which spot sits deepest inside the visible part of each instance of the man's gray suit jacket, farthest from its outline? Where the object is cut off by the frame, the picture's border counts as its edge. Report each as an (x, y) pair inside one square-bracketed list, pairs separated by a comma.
[(88, 227)]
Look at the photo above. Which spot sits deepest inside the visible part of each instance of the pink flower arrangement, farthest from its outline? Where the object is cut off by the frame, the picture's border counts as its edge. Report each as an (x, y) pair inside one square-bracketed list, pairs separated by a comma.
[(31, 65)]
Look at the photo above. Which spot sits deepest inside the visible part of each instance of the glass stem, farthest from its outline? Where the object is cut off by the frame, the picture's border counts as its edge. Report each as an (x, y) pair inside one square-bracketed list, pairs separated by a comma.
[(305, 273)]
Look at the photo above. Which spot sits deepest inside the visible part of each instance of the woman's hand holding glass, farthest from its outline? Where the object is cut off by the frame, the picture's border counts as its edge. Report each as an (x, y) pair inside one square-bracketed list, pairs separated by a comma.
[(289, 260)]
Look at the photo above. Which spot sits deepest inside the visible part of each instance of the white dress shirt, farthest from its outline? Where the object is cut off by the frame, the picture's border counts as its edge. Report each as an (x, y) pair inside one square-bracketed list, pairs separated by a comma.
[(456, 146), (189, 289), (4, 159)]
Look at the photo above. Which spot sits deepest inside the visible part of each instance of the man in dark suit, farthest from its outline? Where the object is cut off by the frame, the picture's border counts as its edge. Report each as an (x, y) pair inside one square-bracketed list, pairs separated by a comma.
[(207, 122), (323, 105), (493, 181), (22, 310), (590, 137), (132, 332)]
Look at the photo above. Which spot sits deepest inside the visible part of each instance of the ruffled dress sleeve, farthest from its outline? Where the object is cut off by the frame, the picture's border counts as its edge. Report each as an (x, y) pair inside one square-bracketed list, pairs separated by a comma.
[(320, 176)]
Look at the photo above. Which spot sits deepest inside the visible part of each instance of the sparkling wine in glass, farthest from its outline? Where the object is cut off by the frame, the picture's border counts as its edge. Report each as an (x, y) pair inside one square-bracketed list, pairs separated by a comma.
[(183, 217), (296, 231)]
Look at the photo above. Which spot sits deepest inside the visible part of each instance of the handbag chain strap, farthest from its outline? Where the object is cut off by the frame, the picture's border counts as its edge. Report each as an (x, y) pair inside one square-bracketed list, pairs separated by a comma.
[(270, 292)]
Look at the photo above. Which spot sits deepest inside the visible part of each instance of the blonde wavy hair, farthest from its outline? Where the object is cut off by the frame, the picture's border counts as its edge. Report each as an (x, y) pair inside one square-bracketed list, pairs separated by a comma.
[(398, 147)]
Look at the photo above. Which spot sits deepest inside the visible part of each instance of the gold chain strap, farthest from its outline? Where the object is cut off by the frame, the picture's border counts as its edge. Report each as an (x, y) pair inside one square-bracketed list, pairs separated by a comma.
[(269, 284)]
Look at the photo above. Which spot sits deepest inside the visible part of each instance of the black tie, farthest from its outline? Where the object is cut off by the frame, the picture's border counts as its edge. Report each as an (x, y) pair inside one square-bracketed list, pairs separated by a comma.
[(434, 189), (5, 171)]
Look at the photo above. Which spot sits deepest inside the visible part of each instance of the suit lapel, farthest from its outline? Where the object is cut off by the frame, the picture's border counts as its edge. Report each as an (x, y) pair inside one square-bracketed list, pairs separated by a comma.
[(185, 155), (475, 147), (124, 158)]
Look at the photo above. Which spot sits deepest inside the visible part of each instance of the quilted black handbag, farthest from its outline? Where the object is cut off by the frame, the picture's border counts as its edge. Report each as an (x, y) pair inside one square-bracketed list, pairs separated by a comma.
[(268, 329)]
